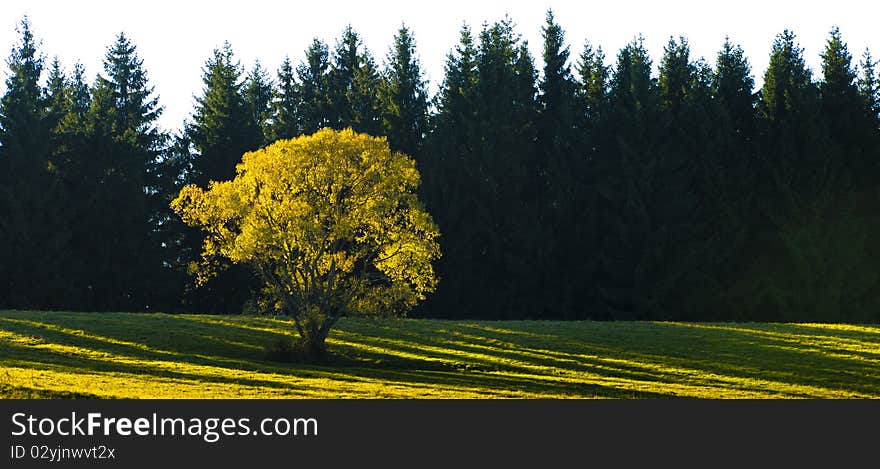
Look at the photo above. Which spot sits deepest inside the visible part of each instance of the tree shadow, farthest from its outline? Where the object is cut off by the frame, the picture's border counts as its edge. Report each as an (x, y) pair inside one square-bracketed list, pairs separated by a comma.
[(427, 357)]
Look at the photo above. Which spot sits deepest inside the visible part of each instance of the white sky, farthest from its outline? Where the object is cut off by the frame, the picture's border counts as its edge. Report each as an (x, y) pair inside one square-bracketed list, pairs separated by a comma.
[(174, 38)]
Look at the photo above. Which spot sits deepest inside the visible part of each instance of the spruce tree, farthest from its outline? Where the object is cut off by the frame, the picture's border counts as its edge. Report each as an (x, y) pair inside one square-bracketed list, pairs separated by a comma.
[(869, 90), (257, 92), (556, 101), (788, 86), (57, 96), (222, 127), (592, 88), (558, 185), (733, 89), (788, 110), (677, 269), (314, 99), (29, 235), (730, 176), (594, 141), (365, 101), (137, 107), (405, 106), (499, 219), (450, 174), (623, 183), (869, 87), (284, 104), (345, 65), (841, 111), (796, 192), (80, 97), (130, 190), (354, 87), (841, 232), (177, 248), (70, 132), (221, 131), (73, 156), (23, 130)]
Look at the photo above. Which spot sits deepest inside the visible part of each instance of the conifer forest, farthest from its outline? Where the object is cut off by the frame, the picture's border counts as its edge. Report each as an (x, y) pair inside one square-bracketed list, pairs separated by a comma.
[(611, 185)]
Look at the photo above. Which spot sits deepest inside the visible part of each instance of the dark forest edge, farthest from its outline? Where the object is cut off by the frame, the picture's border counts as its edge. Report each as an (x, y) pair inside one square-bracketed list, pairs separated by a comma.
[(579, 191)]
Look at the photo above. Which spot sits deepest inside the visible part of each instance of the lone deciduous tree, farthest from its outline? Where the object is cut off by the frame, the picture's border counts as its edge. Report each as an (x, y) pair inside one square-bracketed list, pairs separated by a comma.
[(331, 223)]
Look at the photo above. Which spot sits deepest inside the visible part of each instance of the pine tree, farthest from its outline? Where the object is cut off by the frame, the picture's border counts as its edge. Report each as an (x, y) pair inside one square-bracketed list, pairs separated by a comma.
[(136, 111), (137, 107), (789, 109), (841, 110), (222, 127), (456, 99), (450, 174), (70, 131), (109, 146), (677, 269), (177, 250), (452, 134), (80, 97), (346, 63), (869, 90), (365, 101), (796, 191), (848, 158), (314, 108), (29, 235), (284, 104), (558, 185), (500, 212), (406, 97), (131, 200), (677, 74), (730, 177), (354, 87), (593, 140), (57, 96), (557, 98), (22, 130), (74, 158), (733, 89), (788, 85), (869, 87), (105, 191), (592, 87), (258, 91), (58, 102), (623, 185), (221, 131)]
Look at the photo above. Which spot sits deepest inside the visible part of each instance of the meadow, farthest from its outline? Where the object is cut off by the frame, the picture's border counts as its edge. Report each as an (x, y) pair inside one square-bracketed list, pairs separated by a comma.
[(125, 355)]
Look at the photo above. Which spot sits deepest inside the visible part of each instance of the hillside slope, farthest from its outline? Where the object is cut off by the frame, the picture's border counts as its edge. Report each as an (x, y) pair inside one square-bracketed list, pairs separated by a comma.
[(121, 355)]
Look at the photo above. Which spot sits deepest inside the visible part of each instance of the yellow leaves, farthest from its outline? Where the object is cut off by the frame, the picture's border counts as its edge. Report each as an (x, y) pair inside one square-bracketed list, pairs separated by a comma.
[(316, 207), (189, 204)]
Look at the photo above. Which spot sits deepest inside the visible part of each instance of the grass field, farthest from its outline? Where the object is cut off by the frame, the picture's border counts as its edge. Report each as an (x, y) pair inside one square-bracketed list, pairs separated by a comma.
[(118, 355)]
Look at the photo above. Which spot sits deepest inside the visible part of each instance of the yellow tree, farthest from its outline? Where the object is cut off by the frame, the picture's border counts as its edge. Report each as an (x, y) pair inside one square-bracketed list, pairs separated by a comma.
[(331, 223)]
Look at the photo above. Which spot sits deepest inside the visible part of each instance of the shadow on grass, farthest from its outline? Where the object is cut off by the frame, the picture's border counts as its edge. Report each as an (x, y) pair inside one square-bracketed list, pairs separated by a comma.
[(23, 392), (531, 358)]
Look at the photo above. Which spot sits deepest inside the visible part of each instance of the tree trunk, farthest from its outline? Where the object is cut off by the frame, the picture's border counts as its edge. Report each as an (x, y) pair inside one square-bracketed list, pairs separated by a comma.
[(314, 342)]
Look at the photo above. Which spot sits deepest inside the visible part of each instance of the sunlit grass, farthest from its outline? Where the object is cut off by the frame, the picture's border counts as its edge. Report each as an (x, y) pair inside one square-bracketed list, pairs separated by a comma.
[(118, 355)]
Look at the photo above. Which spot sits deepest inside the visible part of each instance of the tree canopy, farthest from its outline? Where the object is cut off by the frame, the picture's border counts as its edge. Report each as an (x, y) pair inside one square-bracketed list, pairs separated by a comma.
[(330, 222)]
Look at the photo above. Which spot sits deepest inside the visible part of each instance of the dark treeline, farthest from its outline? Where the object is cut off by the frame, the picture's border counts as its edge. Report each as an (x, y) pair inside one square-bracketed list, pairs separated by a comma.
[(576, 191)]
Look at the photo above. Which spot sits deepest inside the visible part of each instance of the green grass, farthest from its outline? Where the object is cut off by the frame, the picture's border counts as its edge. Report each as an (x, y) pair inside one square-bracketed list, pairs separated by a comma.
[(118, 355)]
